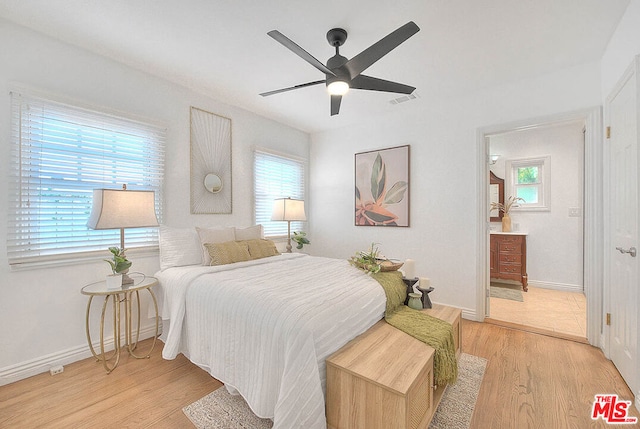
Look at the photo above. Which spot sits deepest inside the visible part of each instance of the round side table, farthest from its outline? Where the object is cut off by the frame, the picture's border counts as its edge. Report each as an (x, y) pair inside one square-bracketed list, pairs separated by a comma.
[(124, 295)]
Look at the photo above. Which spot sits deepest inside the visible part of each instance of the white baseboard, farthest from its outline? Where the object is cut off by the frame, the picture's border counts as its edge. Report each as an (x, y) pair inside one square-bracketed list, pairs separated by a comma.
[(22, 370), (467, 313), (556, 286)]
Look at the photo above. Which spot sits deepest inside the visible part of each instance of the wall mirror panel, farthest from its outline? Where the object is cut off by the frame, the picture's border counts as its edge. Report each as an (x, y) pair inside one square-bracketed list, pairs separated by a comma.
[(496, 194)]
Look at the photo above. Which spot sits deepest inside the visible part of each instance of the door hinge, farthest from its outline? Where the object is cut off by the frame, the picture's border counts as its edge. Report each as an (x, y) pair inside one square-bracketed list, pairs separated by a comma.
[(608, 132), (608, 319)]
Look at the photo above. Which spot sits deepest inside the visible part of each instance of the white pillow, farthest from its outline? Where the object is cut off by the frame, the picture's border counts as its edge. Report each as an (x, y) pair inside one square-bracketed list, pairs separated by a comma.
[(213, 235), (251, 233), (179, 247)]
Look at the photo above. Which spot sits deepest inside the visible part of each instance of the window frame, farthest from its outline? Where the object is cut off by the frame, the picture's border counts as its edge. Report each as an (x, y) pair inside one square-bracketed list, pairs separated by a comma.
[(95, 160), (544, 176), (264, 204)]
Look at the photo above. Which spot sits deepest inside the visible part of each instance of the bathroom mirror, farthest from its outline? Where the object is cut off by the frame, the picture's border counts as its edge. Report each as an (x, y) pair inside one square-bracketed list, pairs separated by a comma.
[(213, 183), (496, 194)]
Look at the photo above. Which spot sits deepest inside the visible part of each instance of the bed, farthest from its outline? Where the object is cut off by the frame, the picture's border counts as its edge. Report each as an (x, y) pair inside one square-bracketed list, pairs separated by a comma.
[(265, 326)]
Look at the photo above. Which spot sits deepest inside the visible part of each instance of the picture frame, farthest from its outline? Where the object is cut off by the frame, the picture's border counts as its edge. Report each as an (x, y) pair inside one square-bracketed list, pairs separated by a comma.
[(382, 187), (211, 180)]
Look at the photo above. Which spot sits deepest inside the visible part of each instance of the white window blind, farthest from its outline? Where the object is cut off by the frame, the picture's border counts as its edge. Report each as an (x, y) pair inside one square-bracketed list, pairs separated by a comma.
[(60, 153), (276, 176)]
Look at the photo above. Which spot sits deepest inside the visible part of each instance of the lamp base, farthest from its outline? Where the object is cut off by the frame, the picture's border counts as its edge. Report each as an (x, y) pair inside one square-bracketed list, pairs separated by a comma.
[(126, 280)]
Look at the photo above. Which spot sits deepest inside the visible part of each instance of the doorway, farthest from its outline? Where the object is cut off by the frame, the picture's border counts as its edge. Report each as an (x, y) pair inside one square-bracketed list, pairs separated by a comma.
[(538, 283), (587, 208)]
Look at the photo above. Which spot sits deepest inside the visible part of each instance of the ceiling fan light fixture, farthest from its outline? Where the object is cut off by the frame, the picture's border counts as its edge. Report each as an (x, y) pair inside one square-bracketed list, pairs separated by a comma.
[(338, 87), (342, 73)]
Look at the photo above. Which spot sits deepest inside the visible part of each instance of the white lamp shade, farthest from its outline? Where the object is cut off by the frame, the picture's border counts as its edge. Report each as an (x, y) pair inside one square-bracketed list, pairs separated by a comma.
[(112, 209), (288, 209)]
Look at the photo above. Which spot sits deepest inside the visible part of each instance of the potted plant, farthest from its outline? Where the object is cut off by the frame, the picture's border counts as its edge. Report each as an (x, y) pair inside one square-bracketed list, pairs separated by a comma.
[(300, 238), (372, 262), (506, 208), (119, 265)]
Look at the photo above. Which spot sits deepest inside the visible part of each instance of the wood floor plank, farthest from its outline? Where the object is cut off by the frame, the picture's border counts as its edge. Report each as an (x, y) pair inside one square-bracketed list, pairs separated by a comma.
[(531, 381), (140, 393), (536, 381)]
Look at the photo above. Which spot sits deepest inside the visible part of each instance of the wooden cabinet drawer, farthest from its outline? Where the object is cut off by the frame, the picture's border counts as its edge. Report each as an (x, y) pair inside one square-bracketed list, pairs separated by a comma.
[(512, 239), (511, 269), (509, 247), (510, 258)]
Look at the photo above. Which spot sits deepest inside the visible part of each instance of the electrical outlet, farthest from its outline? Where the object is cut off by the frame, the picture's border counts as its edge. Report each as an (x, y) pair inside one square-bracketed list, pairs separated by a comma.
[(574, 211), (56, 370)]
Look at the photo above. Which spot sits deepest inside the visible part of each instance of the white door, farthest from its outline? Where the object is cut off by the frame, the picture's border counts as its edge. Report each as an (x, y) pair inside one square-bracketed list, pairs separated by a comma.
[(623, 224)]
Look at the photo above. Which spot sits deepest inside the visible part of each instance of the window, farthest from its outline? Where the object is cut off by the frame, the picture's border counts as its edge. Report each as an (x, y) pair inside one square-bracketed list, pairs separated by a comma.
[(529, 180), (276, 176), (59, 154)]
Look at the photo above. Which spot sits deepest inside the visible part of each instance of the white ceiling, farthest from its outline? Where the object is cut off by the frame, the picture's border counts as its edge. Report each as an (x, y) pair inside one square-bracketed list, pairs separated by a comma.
[(221, 47)]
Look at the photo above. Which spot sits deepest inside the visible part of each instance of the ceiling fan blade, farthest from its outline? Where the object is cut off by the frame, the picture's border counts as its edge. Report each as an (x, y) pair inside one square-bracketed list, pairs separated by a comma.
[(373, 53), (291, 88), (375, 84), (292, 46), (335, 104)]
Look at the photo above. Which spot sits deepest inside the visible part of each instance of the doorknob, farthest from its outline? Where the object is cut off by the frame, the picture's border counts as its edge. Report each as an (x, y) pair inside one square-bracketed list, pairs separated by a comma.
[(632, 251)]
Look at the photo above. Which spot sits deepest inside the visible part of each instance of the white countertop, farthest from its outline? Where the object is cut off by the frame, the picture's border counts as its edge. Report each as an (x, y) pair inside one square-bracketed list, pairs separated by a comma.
[(509, 233)]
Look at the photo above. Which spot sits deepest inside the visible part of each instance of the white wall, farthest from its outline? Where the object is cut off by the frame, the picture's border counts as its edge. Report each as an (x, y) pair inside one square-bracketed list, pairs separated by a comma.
[(622, 48), (41, 310), (555, 240), (444, 228)]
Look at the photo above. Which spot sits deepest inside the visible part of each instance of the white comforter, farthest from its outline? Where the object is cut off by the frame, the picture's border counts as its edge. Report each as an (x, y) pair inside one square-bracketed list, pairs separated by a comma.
[(265, 327)]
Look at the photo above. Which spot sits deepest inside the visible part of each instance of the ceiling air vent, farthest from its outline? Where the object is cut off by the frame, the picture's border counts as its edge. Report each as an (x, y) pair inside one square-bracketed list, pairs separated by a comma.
[(404, 98)]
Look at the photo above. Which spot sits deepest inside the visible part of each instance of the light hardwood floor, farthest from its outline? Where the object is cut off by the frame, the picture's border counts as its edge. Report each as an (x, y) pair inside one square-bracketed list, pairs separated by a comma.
[(532, 381), (558, 313)]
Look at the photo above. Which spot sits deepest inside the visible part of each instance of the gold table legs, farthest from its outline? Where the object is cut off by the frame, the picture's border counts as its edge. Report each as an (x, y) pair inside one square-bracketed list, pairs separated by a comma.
[(116, 298)]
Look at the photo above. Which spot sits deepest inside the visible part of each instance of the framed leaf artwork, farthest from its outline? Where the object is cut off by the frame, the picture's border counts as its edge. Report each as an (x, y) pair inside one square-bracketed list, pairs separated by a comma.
[(382, 187)]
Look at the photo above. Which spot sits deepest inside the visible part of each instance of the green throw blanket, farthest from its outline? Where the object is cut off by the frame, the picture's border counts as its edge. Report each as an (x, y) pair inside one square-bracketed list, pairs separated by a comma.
[(428, 329)]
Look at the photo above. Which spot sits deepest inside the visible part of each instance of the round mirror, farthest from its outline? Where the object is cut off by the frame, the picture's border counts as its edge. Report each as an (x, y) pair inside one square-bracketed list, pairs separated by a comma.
[(213, 183)]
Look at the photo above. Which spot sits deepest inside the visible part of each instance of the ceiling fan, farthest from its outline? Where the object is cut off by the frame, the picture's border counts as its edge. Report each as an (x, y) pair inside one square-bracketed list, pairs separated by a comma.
[(342, 73)]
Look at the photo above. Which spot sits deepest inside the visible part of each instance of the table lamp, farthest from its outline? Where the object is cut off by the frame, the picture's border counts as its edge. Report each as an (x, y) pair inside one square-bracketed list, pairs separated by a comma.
[(120, 209), (289, 210)]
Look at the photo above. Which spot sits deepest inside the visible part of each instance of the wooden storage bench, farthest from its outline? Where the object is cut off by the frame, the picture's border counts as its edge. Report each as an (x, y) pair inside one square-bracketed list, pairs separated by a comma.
[(383, 379)]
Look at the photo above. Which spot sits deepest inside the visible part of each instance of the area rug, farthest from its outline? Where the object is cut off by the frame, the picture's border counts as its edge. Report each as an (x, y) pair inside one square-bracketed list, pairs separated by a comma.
[(459, 400), (506, 291), (220, 410)]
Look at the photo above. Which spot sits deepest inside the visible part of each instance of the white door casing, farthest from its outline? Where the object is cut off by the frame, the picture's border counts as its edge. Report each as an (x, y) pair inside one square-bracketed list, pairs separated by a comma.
[(622, 276), (593, 214)]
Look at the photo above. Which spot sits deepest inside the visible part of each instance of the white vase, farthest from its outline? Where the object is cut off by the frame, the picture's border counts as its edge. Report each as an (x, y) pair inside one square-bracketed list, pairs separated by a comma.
[(114, 281)]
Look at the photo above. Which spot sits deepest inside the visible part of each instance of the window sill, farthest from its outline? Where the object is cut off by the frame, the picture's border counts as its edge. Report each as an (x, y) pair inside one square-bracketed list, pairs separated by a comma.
[(78, 258), (531, 209)]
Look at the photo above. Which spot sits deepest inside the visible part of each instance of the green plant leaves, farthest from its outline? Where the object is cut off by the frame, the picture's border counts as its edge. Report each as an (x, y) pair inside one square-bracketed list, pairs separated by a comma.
[(119, 263), (396, 193), (378, 178)]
